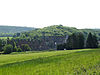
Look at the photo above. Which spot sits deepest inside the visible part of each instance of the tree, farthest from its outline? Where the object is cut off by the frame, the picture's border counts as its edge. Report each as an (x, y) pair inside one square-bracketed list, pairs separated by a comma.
[(25, 47), (95, 41), (1, 45), (92, 41), (8, 40), (14, 47), (89, 42), (69, 43), (72, 41), (8, 49), (81, 40), (75, 41)]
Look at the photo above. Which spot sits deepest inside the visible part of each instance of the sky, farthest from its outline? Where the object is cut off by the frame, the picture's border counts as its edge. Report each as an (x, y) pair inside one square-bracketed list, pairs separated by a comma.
[(42, 13)]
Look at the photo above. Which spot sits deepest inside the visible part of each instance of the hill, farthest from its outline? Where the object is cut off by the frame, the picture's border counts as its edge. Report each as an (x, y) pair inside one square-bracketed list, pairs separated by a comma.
[(14, 29), (8, 31), (57, 30), (70, 62)]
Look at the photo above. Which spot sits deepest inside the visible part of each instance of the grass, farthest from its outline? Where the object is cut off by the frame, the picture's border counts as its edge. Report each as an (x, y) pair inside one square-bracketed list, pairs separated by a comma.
[(69, 62)]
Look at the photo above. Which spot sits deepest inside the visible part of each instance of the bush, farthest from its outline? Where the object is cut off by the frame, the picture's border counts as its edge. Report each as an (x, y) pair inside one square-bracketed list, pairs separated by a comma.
[(8, 49), (15, 49), (19, 50), (25, 47)]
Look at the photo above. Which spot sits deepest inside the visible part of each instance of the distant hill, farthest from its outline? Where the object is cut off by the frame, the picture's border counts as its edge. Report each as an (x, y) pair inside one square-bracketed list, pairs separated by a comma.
[(14, 29), (9, 31)]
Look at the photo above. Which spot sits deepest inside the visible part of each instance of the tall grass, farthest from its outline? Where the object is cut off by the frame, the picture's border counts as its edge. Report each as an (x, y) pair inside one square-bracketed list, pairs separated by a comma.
[(71, 62)]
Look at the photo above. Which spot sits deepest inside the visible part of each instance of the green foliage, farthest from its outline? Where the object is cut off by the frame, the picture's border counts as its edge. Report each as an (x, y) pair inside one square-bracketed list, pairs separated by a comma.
[(69, 44), (89, 42), (56, 30), (75, 41), (95, 41), (1, 45), (81, 40), (8, 49), (25, 47), (92, 41), (15, 49), (19, 50)]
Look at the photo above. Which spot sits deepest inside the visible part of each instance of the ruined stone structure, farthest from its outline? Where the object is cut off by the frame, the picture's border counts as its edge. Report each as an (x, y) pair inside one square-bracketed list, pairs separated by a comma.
[(44, 43)]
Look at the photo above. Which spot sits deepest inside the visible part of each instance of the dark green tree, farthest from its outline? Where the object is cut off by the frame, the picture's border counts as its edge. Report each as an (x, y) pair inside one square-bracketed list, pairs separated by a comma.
[(75, 41), (89, 42), (95, 41), (69, 44), (92, 41), (1, 45), (81, 40), (8, 49)]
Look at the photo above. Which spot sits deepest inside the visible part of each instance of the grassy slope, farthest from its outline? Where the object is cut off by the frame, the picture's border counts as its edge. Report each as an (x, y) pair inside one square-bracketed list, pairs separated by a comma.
[(52, 63)]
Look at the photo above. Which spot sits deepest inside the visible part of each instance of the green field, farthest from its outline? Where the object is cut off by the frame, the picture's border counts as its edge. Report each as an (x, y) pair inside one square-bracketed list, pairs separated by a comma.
[(68, 62)]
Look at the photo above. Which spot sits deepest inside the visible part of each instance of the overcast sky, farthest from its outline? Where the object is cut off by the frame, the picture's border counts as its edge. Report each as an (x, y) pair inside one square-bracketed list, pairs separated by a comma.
[(41, 13)]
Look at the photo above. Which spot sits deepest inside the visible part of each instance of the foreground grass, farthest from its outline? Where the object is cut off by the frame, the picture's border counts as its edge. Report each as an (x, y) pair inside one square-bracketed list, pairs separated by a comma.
[(71, 62)]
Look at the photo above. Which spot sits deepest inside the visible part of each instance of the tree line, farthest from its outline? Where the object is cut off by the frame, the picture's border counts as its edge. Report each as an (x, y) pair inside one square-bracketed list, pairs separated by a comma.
[(74, 41), (7, 48), (78, 41)]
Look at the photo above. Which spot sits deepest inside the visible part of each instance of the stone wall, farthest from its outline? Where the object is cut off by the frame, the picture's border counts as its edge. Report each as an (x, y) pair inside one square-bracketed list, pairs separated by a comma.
[(44, 43)]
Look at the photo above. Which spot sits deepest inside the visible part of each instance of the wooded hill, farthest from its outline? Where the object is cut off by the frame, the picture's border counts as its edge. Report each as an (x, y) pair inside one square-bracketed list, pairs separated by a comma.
[(6, 31), (57, 30), (14, 29)]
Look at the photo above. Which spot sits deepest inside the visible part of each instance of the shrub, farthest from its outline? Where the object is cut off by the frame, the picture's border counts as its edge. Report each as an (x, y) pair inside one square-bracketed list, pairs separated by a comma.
[(25, 47), (15, 49), (8, 49), (19, 50)]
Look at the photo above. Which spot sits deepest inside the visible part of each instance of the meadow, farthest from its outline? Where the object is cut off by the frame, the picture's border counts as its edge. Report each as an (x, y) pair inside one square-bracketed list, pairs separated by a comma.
[(67, 62)]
